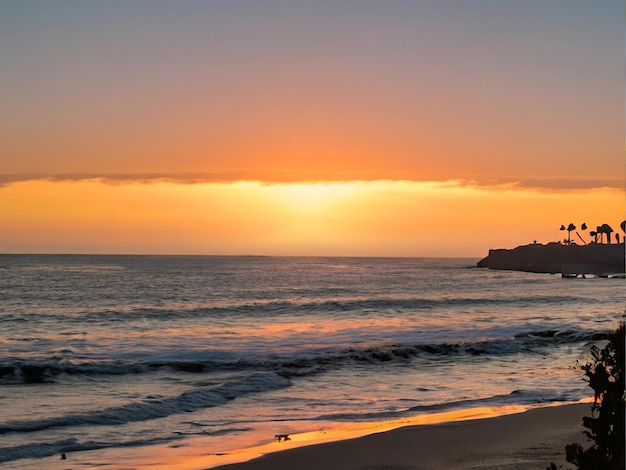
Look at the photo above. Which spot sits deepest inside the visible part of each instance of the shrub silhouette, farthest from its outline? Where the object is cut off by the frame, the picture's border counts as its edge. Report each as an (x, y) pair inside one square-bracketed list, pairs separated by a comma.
[(605, 427)]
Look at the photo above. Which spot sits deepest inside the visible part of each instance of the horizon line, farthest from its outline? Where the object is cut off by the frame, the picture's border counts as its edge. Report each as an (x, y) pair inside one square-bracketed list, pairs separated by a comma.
[(228, 255)]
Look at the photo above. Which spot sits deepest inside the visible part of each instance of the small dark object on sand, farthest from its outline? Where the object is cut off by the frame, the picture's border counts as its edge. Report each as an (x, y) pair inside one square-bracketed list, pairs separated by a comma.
[(282, 437), (63, 457)]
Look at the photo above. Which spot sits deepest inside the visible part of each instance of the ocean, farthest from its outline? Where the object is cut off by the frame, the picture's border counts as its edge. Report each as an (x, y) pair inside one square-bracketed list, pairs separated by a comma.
[(121, 352)]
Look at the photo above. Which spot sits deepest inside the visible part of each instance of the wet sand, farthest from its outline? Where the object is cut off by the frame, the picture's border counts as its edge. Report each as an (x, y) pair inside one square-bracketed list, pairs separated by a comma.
[(460, 440), (528, 440)]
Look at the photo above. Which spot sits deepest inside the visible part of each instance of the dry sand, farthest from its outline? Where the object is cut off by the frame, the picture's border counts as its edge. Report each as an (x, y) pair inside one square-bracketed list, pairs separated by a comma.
[(522, 441)]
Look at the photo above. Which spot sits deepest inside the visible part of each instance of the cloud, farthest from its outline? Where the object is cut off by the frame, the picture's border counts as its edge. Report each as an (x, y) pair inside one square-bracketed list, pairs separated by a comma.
[(287, 176), (566, 184), (545, 184)]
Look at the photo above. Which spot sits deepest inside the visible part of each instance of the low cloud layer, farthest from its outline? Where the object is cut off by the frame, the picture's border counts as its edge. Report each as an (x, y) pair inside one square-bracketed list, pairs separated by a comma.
[(537, 184)]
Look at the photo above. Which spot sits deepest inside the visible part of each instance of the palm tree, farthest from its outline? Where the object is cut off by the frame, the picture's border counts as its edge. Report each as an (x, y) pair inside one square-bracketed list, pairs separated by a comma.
[(600, 231), (608, 230), (605, 229), (569, 229), (583, 226)]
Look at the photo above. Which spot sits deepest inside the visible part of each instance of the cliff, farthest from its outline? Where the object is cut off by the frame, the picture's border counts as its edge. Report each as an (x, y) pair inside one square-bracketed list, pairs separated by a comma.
[(557, 258)]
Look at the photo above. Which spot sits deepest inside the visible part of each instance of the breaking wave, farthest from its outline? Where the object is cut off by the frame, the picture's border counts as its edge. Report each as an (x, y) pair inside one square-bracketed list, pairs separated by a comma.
[(189, 401), (19, 371)]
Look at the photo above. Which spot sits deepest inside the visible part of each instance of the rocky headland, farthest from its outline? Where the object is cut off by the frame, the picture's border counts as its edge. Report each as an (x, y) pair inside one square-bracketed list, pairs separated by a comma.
[(567, 259)]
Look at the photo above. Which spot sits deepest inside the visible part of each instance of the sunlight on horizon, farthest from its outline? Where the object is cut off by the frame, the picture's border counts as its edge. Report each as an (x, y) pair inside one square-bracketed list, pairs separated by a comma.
[(358, 218)]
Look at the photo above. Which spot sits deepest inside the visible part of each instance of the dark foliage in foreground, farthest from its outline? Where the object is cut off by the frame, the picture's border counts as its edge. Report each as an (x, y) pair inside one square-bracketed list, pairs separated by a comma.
[(605, 427)]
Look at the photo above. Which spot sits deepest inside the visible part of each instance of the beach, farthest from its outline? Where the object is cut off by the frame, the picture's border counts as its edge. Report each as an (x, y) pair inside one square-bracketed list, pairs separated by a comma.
[(527, 440), (521, 440)]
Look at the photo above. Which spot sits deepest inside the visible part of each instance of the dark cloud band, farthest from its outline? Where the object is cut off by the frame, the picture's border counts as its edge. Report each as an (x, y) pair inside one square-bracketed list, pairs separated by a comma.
[(538, 184)]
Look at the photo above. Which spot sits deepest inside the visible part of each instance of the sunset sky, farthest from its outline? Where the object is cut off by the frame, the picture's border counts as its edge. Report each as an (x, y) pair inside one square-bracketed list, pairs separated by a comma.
[(326, 127)]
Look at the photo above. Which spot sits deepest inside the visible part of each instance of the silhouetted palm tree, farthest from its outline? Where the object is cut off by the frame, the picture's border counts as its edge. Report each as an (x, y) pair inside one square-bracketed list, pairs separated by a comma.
[(599, 231), (583, 226), (569, 229), (607, 230)]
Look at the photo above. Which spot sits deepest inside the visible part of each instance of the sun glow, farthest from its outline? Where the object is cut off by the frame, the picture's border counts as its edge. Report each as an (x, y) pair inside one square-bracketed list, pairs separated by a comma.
[(313, 197), (357, 218)]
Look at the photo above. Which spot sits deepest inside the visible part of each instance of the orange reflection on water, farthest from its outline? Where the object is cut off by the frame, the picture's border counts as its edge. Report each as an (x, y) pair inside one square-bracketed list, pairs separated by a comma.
[(282, 329)]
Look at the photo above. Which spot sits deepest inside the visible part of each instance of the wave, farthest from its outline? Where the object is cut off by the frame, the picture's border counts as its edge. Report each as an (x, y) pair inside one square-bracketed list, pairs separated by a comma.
[(528, 342), (517, 397), (200, 362), (47, 449), (342, 305), (188, 401), (272, 308)]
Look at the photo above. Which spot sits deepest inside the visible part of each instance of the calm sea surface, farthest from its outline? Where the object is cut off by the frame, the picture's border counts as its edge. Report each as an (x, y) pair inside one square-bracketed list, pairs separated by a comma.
[(123, 351)]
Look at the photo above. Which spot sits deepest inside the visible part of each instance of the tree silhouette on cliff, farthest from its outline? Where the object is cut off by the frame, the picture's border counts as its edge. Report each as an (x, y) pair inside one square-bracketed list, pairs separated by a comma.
[(571, 227), (599, 234), (605, 229)]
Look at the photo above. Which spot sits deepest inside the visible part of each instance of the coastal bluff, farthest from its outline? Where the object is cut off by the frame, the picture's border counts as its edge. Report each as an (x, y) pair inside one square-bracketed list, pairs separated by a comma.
[(595, 258)]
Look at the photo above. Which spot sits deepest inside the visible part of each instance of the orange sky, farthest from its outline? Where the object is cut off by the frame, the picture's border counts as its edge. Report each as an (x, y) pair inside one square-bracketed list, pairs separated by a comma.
[(382, 218), (341, 128)]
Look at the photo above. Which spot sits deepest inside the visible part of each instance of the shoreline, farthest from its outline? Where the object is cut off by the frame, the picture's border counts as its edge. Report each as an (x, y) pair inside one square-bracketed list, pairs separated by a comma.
[(512, 437), (527, 439)]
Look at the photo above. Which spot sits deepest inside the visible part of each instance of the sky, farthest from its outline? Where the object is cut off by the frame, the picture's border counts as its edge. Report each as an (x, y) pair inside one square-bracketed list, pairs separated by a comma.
[(326, 127)]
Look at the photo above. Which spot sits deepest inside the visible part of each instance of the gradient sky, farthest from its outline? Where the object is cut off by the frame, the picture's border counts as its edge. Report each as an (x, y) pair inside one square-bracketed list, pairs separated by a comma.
[(405, 128)]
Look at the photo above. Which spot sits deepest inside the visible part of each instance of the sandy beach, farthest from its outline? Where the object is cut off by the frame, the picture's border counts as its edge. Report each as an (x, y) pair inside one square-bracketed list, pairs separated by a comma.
[(527, 440), (522, 440)]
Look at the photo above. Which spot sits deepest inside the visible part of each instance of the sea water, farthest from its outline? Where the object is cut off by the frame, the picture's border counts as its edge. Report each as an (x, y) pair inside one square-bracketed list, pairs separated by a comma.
[(116, 352)]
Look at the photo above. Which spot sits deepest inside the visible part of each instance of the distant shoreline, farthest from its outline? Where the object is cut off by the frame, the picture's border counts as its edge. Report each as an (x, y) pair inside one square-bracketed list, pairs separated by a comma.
[(595, 258)]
